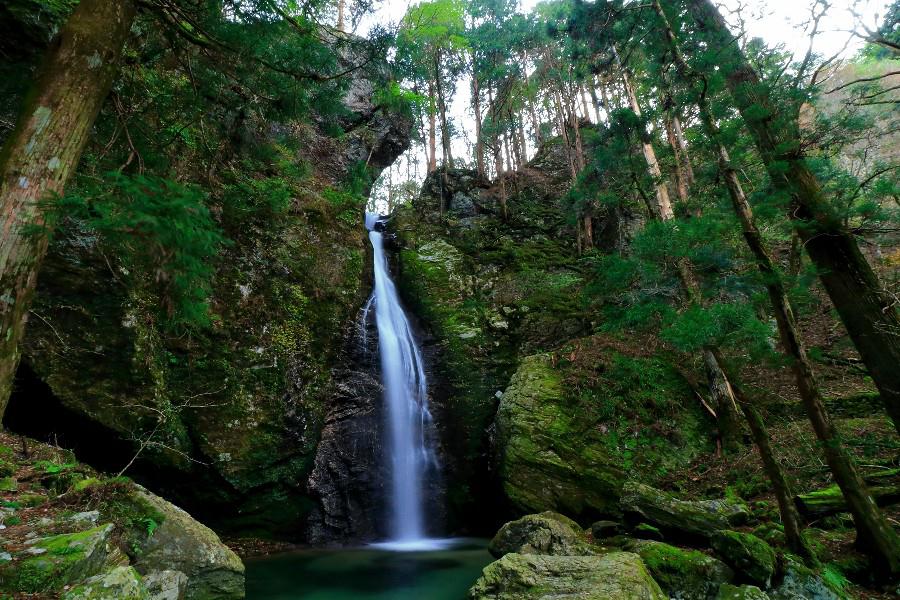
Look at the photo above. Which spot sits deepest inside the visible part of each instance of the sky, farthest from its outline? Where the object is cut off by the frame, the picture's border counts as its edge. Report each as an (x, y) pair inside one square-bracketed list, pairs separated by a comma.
[(776, 21)]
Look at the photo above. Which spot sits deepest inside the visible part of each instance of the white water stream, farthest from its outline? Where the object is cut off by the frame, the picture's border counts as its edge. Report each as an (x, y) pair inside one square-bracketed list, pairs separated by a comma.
[(406, 403)]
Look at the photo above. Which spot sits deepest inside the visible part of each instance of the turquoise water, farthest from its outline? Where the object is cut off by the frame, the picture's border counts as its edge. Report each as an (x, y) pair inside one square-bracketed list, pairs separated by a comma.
[(368, 574)]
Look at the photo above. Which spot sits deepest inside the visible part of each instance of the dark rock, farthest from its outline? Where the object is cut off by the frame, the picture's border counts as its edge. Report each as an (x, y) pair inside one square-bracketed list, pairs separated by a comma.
[(800, 582), (605, 529)]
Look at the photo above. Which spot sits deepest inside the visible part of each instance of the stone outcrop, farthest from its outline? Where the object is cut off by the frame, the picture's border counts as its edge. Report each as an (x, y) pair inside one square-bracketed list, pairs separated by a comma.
[(545, 533), (180, 543), (684, 518), (529, 576)]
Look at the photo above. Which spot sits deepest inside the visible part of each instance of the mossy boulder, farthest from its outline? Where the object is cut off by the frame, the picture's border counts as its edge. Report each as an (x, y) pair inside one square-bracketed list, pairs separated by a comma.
[(751, 557), (698, 518), (120, 583), (799, 581), (544, 533), (740, 592), (682, 574), (535, 577), (545, 462), (166, 585), (182, 544), (50, 563)]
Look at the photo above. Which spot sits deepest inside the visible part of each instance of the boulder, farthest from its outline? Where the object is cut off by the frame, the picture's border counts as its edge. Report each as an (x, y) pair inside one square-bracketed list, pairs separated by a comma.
[(120, 583), (543, 464), (801, 583), (182, 544), (699, 518), (535, 577), (50, 563), (741, 592), (751, 557), (166, 585), (544, 533), (682, 574)]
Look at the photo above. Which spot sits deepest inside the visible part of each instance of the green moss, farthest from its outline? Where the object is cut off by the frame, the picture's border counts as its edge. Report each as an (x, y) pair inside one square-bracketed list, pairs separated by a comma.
[(63, 559), (8, 484), (682, 573), (747, 554)]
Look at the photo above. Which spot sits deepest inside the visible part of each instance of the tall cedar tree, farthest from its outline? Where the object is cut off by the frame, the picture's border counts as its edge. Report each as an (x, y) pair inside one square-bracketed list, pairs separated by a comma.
[(43, 151), (864, 306)]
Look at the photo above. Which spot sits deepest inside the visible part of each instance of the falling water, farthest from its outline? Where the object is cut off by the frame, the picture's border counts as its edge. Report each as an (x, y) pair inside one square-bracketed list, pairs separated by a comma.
[(406, 399)]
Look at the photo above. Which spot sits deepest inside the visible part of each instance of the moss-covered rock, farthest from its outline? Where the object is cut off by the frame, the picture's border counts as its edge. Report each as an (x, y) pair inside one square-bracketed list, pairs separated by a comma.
[(52, 562), (544, 533), (166, 585), (682, 574), (120, 583), (741, 592), (751, 557), (798, 581), (701, 518), (529, 576), (182, 544), (545, 463)]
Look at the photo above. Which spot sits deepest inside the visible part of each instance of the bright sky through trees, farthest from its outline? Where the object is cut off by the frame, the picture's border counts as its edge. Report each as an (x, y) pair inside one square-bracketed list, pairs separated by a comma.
[(784, 22)]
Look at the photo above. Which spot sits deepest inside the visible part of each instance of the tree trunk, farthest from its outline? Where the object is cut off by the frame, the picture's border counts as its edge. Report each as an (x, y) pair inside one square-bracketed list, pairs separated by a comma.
[(442, 107), (479, 143), (874, 534), (432, 130), (43, 151), (867, 310), (663, 203), (781, 486), (726, 411), (340, 16)]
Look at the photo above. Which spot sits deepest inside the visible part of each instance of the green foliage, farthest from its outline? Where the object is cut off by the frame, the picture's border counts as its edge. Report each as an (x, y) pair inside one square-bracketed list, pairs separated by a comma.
[(162, 234)]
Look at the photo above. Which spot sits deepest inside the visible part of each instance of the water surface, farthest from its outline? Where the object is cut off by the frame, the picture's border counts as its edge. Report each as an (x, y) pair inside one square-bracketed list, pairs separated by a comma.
[(368, 573)]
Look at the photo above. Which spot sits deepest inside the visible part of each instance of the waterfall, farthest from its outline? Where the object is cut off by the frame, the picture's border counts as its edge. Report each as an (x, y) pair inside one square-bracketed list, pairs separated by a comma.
[(406, 402)]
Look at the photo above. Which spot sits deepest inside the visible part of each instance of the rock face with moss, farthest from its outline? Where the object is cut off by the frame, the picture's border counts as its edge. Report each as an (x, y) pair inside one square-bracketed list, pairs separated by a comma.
[(682, 574), (527, 397), (528, 576), (228, 418), (92, 536)]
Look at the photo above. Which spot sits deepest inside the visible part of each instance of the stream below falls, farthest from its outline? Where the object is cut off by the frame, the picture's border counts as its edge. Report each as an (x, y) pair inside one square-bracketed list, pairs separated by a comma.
[(369, 573)]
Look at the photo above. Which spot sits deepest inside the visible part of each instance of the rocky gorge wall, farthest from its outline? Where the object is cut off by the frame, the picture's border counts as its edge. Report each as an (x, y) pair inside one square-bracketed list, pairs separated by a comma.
[(537, 410), (226, 421)]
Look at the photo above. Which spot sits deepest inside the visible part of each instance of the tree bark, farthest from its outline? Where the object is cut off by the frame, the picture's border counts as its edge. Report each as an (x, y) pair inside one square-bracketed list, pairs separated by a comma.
[(43, 151), (442, 108), (663, 203), (867, 310), (479, 143), (781, 486), (432, 130)]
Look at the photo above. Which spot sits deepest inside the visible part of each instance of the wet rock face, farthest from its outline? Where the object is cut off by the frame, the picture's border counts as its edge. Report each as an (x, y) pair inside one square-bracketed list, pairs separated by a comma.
[(348, 481)]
